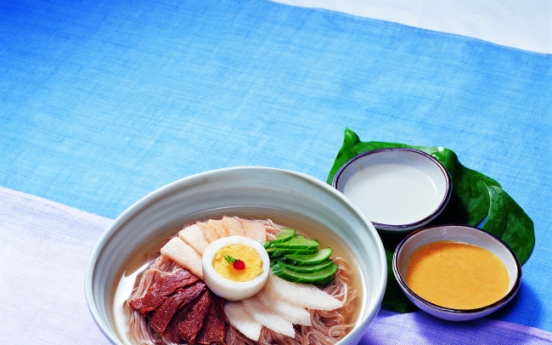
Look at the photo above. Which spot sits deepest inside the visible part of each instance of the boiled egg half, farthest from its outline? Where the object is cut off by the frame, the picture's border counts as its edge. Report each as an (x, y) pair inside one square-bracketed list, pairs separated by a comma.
[(235, 267)]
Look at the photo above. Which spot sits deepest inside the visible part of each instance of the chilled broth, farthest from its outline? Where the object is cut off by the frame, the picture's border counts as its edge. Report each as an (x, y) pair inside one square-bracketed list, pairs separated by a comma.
[(309, 227), (457, 275)]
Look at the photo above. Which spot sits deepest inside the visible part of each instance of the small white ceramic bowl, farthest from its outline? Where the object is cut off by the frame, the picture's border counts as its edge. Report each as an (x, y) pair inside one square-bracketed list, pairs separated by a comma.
[(398, 189), (243, 191), (457, 233)]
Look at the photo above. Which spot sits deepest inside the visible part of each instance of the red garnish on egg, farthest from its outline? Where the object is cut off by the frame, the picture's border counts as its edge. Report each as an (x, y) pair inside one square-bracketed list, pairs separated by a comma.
[(236, 263), (239, 265)]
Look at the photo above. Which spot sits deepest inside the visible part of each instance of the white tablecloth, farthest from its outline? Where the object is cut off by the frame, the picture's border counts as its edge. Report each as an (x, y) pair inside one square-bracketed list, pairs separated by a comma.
[(525, 24)]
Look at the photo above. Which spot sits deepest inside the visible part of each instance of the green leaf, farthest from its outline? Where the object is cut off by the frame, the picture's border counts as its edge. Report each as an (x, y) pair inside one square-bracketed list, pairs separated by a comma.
[(471, 198), (475, 197), (230, 259), (508, 221), (520, 231), (488, 181), (394, 298), (497, 219)]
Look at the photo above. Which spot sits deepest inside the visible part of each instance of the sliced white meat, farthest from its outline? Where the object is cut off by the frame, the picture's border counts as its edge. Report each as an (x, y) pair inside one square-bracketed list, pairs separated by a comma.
[(242, 321), (233, 226), (217, 226), (291, 312), (255, 231), (267, 317), (210, 233), (303, 295), (194, 237), (184, 255)]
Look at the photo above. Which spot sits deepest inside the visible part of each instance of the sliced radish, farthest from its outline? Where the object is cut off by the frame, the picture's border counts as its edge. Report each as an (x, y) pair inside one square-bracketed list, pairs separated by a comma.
[(242, 321)]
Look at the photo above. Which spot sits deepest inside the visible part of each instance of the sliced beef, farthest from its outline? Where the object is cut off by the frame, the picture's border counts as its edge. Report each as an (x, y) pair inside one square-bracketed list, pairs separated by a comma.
[(159, 292), (161, 317), (214, 327), (189, 320)]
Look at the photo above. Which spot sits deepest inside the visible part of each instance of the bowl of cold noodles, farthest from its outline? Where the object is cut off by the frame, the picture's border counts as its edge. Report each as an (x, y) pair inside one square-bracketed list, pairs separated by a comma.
[(456, 272), (245, 255)]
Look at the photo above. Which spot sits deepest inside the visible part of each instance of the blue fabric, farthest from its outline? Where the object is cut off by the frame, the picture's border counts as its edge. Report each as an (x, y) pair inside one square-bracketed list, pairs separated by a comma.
[(102, 102)]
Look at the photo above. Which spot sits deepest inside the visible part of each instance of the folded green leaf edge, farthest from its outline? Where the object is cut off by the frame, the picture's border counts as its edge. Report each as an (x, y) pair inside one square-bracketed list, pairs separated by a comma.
[(476, 200)]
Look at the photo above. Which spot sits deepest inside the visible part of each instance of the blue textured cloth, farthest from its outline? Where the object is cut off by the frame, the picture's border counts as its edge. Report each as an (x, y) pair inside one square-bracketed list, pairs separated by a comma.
[(102, 102)]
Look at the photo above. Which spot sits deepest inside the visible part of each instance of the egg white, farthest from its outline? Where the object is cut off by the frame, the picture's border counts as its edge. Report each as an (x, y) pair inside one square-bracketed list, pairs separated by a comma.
[(226, 288)]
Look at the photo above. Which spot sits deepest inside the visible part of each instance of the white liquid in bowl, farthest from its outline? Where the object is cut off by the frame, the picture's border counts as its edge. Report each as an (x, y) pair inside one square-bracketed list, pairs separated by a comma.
[(393, 194)]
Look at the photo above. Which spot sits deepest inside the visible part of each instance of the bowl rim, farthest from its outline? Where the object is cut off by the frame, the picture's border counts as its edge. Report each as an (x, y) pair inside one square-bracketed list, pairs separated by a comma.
[(361, 325), (506, 298), (419, 223)]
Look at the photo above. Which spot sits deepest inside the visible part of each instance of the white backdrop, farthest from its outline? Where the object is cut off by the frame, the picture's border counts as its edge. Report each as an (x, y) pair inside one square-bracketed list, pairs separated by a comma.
[(523, 24)]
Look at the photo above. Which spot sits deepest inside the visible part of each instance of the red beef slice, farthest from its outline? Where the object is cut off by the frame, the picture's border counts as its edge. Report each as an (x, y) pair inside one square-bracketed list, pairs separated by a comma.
[(189, 320), (159, 292), (164, 314), (214, 327)]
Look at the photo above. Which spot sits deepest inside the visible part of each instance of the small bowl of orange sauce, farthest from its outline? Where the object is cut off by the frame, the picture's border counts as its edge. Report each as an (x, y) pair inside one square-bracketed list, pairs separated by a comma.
[(456, 272)]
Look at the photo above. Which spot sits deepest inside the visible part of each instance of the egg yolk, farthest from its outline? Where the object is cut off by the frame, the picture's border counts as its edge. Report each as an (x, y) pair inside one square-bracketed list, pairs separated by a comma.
[(243, 252)]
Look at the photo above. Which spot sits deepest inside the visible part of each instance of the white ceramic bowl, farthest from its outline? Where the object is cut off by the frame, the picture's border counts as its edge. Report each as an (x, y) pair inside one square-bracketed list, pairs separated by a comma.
[(398, 189), (458, 233), (252, 190)]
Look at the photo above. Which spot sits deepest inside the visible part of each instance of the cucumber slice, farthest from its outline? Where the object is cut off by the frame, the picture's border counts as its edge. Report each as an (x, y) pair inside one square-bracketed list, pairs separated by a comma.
[(297, 241), (306, 269), (285, 234), (277, 252), (308, 259), (327, 280), (321, 277)]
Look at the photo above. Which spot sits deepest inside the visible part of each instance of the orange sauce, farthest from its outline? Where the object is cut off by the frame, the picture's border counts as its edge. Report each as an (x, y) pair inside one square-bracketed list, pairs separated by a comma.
[(457, 275)]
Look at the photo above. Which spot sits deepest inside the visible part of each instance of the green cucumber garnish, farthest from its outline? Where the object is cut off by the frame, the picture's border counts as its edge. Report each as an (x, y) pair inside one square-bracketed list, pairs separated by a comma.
[(277, 252), (296, 258), (308, 259), (285, 234), (307, 268), (297, 241), (321, 277)]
